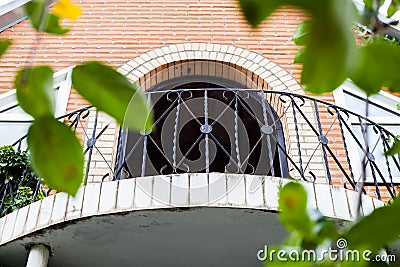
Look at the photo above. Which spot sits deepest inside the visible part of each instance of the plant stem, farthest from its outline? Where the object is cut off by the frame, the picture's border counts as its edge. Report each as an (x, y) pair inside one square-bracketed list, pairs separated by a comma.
[(360, 184)]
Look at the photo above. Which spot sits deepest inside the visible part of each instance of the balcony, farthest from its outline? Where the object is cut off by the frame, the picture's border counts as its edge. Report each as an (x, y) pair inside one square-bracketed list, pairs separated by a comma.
[(202, 187)]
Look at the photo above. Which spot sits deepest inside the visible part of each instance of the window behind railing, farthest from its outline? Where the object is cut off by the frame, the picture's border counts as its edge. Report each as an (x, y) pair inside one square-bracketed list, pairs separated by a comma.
[(382, 109)]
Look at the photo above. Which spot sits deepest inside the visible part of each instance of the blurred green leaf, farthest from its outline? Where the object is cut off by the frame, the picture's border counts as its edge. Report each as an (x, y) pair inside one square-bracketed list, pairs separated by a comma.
[(293, 206), (395, 149), (391, 10), (359, 235), (56, 154), (302, 33), (378, 68), (256, 11), (323, 228), (393, 7), (4, 44), (35, 91), (299, 57), (112, 93), (368, 3), (331, 50), (301, 37), (36, 12), (293, 240), (53, 25), (41, 20)]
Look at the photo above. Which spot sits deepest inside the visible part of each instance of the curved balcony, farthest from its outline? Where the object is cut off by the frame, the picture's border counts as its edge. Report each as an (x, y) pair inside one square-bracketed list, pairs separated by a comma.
[(205, 178)]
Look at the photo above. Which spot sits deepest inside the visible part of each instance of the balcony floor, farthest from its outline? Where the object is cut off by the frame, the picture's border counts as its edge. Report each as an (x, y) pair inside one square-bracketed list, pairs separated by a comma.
[(201, 236)]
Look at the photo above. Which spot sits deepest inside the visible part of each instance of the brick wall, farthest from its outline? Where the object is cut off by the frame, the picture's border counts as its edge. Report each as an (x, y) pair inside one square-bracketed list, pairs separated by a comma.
[(115, 31)]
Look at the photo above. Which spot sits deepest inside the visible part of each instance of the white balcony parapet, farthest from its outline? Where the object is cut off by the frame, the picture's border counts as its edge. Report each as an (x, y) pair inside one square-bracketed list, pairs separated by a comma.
[(193, 191)]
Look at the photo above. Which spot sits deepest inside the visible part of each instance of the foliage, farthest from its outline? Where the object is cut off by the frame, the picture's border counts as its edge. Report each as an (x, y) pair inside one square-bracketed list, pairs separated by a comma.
[(371, 78), (35, 91), (309, 230), (324, 52), (367, 37), (329, 54), (256, 11), (16, 172), (4, 44), (23, 196), (42, 20), (395, 149), (55, 151), (101, 90)]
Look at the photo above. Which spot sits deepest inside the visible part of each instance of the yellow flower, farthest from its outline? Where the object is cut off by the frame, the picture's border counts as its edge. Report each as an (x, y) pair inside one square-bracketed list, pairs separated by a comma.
[(66, 9)]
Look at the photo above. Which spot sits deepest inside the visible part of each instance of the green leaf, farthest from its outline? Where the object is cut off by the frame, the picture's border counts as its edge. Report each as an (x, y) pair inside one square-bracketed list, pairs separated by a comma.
[(331, 49), (35, 93), (53, 25), (391, 10), (41, 20), (293, 206), (293, 240), (302, 32), (36, 12), (255, 11), (112, 93), (395, 149), (56, 154), (388, 217), (299, 57), (378, 68), (368, 3), (323, 229), (4, 44)]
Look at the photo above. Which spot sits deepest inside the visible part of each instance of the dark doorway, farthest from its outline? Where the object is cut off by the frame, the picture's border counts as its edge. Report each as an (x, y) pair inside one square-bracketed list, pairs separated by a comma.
[(206, 127)]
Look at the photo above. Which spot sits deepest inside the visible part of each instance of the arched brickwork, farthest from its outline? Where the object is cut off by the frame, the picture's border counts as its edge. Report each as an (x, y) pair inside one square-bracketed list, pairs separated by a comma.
[(259, 70), (251, 70)]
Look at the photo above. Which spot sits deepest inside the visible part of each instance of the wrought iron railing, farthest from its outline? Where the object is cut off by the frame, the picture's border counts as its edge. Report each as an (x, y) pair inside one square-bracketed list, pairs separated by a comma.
[(244, 131)]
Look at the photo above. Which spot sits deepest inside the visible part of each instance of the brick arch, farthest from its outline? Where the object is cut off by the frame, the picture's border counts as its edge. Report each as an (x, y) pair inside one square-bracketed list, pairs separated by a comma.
[(260, 72)]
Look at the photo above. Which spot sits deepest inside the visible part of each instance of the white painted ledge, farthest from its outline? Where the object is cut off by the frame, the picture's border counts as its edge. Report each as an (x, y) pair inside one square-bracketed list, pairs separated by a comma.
[(183, 190)]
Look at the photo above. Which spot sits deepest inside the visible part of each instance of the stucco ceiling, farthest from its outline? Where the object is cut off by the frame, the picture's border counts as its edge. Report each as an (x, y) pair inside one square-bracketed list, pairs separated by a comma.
[(178, 237)]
